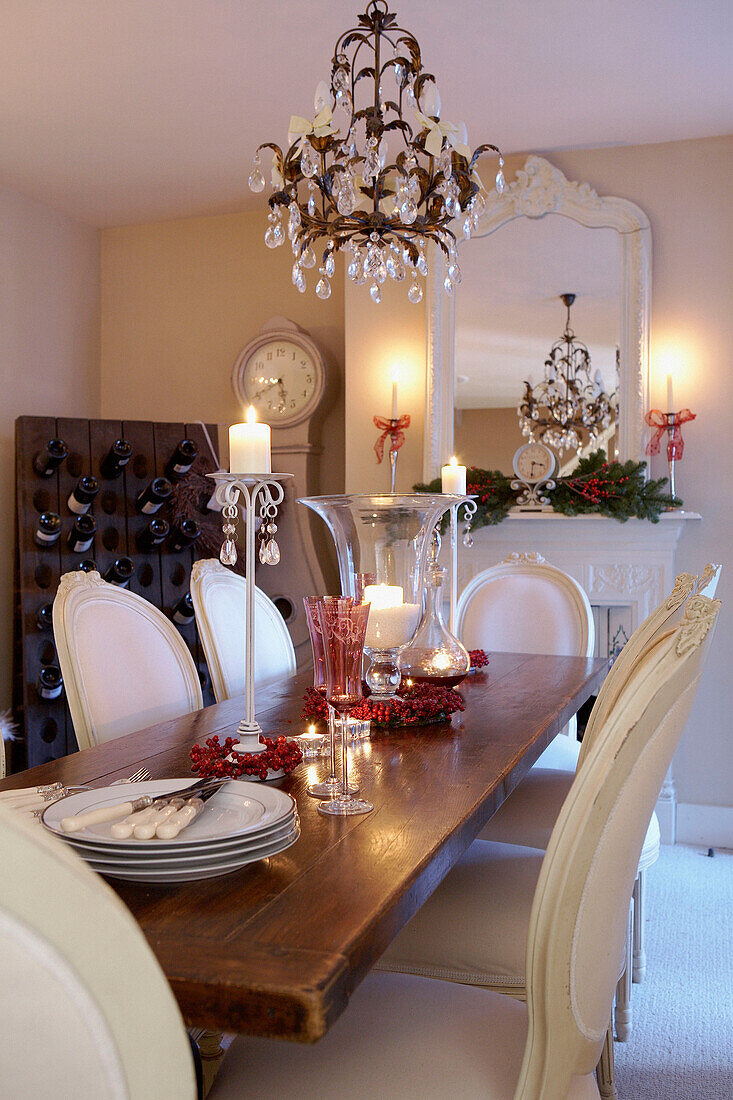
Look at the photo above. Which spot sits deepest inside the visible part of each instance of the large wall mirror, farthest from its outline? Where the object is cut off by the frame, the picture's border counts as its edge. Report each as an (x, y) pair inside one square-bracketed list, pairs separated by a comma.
[(544, 237)]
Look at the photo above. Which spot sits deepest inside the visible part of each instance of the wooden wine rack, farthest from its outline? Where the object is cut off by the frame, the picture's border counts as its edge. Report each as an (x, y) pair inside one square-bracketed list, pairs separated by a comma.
[(161, 576)]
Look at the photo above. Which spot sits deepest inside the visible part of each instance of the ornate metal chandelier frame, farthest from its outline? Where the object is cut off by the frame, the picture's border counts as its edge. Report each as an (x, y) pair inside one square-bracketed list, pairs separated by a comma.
[(383, 212), (568, 401)]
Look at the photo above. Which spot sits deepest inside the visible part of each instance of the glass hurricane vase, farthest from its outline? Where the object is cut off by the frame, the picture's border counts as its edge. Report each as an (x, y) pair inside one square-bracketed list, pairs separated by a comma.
[(382, 542)]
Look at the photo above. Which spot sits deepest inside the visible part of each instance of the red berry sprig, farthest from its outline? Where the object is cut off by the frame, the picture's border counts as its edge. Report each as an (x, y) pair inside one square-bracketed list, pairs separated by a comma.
[(479, 658), (212, 758)]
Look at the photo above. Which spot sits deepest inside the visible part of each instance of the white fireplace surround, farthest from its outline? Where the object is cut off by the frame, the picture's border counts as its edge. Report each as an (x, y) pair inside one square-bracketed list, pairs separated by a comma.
[(626, 564)]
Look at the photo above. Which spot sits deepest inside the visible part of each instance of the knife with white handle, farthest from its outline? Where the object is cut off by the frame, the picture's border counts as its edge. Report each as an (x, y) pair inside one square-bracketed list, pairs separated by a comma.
[(124, 809), (169, 830)]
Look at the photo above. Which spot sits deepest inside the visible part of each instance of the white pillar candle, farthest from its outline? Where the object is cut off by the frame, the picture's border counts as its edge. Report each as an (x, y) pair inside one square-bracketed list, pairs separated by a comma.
[(249, 446), (394, 394), (453, 478), (670, 395), (392, 622)]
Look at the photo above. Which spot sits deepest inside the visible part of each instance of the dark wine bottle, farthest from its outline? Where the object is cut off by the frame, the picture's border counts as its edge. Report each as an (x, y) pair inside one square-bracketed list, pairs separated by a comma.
[(156, 532), (182, 459), (149, 499), (81, 535), (88, 565), (48, 529), (116, 459), (83, 494), (44, 617), (185, 534), (46, 462), (50, 683), (183, 612), (120, 571)]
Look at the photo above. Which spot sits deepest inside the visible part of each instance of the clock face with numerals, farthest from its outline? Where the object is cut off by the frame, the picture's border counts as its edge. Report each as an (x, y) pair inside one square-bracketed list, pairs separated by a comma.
[(280, 373), (534, 462)]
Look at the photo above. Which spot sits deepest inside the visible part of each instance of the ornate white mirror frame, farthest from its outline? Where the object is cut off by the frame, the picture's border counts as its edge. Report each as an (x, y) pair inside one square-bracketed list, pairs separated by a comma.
[(541, 189)]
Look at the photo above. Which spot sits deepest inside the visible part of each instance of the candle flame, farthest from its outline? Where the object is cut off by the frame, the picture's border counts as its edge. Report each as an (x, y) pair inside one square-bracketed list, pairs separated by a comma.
[(311, 730), (395, 372), (251, 415), (454, 461)]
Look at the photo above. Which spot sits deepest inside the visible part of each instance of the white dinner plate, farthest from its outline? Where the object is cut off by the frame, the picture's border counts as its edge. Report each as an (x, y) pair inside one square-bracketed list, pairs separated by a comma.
[(152, 857), (233, 811), (193, 874)]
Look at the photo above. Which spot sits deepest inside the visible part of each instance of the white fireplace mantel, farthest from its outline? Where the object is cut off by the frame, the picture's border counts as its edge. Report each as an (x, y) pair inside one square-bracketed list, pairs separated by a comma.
[(618, 564)]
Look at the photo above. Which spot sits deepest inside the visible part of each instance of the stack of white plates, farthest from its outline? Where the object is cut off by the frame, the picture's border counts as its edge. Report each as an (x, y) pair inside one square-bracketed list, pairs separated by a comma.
[(238, 825)]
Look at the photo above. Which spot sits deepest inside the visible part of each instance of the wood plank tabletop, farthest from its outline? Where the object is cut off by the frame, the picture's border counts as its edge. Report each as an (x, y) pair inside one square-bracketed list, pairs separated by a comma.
[(276, 948)]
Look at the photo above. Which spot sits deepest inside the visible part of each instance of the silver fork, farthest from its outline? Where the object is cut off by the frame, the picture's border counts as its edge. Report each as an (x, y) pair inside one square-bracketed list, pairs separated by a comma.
[(51, 792)]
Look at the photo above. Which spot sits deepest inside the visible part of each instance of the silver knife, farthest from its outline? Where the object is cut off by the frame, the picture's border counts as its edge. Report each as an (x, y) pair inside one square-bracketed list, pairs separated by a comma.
[(121, 809)]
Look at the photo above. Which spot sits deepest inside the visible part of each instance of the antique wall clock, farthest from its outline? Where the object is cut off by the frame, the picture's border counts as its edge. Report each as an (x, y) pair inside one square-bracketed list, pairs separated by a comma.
[(283, 374)]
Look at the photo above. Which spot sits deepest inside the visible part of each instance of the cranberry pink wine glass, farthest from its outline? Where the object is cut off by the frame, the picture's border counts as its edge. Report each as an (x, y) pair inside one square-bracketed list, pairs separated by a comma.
[(343, 626), (330, 787)]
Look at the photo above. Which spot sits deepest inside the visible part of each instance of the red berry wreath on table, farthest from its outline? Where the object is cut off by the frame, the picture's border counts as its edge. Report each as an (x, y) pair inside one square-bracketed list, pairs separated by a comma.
[(421, 704), (213, 758)]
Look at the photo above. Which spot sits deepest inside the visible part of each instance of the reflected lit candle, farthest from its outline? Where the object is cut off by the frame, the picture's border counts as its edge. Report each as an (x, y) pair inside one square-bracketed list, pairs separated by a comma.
[(670, 394), (249, 446), (453, 478)]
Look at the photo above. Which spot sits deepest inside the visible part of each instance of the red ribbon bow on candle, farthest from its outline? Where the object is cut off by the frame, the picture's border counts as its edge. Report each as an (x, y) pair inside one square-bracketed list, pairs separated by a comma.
[(392, 428), (661, 423)]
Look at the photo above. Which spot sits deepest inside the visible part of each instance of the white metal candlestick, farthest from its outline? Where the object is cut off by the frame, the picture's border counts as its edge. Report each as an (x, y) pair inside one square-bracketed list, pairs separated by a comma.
[(469, 511), (261, 492)]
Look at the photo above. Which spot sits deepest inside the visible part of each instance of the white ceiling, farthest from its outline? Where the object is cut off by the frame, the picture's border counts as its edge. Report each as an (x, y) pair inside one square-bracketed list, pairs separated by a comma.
[(508, 308), (119, 111)]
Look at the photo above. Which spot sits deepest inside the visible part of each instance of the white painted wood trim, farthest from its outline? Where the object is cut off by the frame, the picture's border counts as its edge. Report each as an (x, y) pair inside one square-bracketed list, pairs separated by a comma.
[(541, 189), (708, 826)]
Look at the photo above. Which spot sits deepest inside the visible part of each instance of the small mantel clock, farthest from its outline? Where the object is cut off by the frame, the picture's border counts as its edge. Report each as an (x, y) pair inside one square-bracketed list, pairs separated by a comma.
[(534, 464), (283, 374)]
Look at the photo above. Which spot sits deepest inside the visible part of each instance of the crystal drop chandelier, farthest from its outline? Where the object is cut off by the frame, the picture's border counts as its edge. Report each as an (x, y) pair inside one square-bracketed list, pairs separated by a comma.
[(568, 403), (376, 172)]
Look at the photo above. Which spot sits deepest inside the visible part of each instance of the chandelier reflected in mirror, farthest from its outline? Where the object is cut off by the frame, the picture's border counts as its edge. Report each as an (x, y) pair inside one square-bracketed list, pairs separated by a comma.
[(376, 172), (568, 407)]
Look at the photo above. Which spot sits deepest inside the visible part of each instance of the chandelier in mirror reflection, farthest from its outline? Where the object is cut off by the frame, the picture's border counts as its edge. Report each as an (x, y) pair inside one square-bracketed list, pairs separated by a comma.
[(569, 408), (377, 172)]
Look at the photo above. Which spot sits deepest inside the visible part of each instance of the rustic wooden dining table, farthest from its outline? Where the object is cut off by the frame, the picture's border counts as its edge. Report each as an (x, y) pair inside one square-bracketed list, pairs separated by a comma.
[(277, 948)]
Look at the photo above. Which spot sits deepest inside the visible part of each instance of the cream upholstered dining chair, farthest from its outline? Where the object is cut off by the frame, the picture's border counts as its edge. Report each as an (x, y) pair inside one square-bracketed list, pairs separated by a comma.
[(219, 598), (124, 664), (526, 605), (86, 1010), (405, 1036), (472, 928), (528, 816), (111, 1027)]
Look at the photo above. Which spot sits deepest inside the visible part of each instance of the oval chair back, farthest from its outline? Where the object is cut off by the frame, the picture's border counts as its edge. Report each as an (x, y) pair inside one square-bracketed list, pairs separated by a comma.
[(660, 617), (577, 931), (219, 599), (124, 664), (526, 605), (86, 1009)]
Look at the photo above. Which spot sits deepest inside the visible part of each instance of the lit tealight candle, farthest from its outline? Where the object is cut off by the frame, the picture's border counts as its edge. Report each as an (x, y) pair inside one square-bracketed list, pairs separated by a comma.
[(311, 743), (249, 446), (453, 478)]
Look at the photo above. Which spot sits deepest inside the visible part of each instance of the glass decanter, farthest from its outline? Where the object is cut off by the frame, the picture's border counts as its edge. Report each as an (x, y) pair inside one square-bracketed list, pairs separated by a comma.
[(435, 656)]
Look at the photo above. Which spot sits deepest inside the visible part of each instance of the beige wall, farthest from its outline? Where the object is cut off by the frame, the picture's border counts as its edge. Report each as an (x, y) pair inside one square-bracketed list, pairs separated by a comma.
[(487, 438), (180, 299), (49, 318)]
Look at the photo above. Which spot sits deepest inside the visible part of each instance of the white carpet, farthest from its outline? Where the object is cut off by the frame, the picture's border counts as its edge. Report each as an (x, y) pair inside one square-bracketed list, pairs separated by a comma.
[(681, 1045)]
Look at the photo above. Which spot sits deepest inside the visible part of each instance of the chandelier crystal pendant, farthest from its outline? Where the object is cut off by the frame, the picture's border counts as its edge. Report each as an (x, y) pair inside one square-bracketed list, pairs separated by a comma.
[(568, 405), (377, 180)]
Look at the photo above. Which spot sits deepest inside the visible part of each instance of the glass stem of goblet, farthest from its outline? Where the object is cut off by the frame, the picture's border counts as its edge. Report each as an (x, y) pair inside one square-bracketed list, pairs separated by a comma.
[(332, 735), (344, 754)]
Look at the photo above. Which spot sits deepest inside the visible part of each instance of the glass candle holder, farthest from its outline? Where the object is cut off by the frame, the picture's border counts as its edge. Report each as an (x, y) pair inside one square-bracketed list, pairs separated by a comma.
[(311, 744), (381, 543), (435, 656)]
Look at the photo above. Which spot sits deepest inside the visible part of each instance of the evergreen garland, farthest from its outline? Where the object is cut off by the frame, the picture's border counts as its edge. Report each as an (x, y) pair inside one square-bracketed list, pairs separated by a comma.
[(595, 487)]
